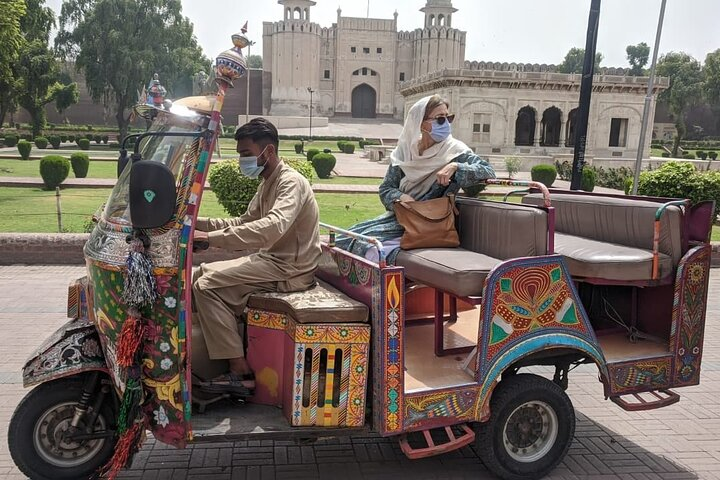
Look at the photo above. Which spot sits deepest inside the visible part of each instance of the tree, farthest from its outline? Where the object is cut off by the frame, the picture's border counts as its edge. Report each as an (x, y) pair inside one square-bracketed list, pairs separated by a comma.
[(711, 74), (118, 56), (637, 56), (37, 71), (11, 41), (686, 84), (254, 61), (575, 59)]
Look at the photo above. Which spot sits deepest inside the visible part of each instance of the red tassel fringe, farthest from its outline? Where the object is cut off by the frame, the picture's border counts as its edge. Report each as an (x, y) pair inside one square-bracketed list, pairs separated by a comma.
[(129, 341), (127, 446)]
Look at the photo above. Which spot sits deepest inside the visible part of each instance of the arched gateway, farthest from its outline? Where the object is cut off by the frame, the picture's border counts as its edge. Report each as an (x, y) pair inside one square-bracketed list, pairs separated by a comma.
[(364, 100)]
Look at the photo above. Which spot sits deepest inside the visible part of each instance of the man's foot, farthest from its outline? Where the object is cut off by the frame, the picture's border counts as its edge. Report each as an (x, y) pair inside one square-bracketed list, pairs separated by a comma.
[(242, 385)]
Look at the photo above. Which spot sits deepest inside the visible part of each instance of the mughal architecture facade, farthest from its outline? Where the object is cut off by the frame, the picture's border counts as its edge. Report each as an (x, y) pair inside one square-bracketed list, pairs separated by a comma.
[(365, 67)]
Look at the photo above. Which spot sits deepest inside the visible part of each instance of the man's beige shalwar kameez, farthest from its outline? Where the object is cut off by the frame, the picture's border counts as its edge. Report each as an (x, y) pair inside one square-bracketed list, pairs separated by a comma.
[(282, 222)]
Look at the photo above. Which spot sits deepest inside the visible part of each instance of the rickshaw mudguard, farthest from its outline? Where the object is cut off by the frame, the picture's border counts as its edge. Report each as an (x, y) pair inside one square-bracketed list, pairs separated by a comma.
[(73, 348), (530, 305)]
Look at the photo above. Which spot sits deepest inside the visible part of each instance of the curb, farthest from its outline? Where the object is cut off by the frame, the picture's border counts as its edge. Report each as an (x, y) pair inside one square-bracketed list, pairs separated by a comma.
[(67, 249)]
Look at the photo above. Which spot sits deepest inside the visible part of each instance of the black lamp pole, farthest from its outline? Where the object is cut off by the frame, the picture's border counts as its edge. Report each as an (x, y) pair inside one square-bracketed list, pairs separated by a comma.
[(585, 94), (311, 108)]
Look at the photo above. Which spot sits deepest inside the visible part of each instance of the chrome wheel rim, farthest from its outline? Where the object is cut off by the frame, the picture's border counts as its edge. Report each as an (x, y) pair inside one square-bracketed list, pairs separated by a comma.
[(530, 431), (50, 442)]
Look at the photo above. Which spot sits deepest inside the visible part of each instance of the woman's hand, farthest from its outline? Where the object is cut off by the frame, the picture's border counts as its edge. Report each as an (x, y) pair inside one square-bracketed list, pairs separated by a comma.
[(406, 198), (444, 176)]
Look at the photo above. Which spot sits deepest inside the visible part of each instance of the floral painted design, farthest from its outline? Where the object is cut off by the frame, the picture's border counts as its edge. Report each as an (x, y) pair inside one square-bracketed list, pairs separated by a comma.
[(166, 364), (170, 302), (164, 347), (161, 417)]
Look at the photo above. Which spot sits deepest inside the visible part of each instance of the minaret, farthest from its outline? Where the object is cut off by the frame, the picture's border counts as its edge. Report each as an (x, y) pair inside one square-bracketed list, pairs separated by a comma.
[(438, 13), (297, 9)]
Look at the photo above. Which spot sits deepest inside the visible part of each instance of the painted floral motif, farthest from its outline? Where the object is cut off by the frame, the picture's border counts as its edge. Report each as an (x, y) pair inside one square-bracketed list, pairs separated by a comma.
[(91, 348), (164, 347), (161, 417), (170, 302), (166, 364)]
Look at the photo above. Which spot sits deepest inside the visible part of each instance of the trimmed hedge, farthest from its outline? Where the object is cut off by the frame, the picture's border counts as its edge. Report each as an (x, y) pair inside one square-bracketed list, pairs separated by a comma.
[(545, 174), (234, 190), (588, 179), (323, 163), (349, 148), (41, 143), (713, 155), (311, 153), (10, 140), (54, 141), (24, 148), (298, 148), (83, 143), (681, 180), (54, 170), (80, 164)]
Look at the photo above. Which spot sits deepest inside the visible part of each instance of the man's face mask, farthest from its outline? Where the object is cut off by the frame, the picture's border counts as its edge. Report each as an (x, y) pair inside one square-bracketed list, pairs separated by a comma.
[(249, 166)]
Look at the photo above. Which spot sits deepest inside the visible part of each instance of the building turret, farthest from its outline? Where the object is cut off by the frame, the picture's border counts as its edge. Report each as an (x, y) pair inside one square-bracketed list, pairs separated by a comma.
[(297, 9), (438, 13)]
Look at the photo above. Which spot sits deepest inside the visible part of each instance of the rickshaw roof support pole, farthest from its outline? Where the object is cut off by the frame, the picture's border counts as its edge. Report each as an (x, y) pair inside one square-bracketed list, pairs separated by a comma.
[(648, 99), (585, 94)]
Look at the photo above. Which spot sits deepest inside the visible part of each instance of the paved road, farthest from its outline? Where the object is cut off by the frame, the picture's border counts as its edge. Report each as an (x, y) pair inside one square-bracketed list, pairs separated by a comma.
[(678, 442)]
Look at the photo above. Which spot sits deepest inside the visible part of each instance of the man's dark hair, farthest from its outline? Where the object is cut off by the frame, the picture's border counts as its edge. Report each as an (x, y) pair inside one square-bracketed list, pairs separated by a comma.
[(260, 131)]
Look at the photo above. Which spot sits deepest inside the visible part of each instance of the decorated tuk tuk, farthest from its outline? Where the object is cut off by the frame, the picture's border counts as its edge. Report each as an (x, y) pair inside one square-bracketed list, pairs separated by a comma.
[(430, 350)]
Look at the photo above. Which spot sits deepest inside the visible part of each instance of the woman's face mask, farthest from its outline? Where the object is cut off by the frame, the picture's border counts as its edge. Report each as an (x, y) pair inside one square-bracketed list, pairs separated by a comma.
[(440, 131), (249, 166)]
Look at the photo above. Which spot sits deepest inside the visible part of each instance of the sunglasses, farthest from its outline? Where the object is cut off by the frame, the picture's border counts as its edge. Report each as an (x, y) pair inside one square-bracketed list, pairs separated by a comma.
[(441, 119)]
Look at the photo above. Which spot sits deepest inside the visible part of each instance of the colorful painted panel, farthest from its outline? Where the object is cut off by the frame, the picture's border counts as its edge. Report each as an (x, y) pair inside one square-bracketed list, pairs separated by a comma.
[(439, 409), (688, 324), (347, 272), (263, 319), (330, 367), (162, 362), (641, 376), (528, 299)]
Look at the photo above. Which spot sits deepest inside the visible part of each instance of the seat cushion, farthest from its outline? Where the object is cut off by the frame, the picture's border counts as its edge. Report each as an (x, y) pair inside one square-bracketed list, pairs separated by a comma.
[(593, 259), (453, 270), (321, 304)]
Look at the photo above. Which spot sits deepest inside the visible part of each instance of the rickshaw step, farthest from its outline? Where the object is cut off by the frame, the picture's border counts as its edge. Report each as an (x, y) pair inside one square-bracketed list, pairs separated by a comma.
[(454, 441), (651, 400)]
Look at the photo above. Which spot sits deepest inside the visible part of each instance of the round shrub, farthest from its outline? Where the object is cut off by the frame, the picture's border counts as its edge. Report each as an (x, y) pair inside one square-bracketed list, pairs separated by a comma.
[(327, 150), (688, 156), (341, 145), (27, 136), (681, 180), (588, 179), (41, 143), (10, 140), (311, 153), (545, 174), (80, 164), (24, 148), (54, 170), (298, 148), (105, 139), (234, 190), (323, 163), (713, 155), (83, 143), (71, 138), (349, 147), (98, 139), (665, 155), (64, 138), (54, 141), (702, 155)]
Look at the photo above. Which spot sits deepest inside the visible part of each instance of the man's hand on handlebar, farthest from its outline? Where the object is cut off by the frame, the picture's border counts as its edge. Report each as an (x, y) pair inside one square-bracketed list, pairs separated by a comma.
[(200, 241)]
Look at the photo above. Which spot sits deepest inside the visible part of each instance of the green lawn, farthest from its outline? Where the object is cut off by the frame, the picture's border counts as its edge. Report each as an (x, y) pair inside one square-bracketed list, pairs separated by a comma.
[(31, 168)]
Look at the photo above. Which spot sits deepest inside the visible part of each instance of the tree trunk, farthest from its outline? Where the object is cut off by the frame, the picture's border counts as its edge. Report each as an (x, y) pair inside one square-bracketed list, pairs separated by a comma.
[(3, 113), (37, 120), (681, 131), (122, 121)]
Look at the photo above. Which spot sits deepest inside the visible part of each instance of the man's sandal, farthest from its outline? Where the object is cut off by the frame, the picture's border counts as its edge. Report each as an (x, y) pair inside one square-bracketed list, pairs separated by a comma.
[(230, 383)]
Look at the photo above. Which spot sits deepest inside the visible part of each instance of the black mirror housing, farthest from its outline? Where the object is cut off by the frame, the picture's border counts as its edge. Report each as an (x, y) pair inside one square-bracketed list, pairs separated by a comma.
[(152, 194)]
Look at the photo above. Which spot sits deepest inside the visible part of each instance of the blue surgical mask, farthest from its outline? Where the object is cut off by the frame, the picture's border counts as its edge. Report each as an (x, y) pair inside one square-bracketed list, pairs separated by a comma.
[(440, 132), (249, 166)]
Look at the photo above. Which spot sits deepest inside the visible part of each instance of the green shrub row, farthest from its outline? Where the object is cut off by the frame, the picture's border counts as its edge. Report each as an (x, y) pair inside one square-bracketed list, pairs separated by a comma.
[(681, 180)]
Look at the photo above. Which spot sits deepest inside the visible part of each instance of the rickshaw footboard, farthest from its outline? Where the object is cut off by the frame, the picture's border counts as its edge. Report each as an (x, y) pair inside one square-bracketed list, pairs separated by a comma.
[(438, 444), (651, 400)]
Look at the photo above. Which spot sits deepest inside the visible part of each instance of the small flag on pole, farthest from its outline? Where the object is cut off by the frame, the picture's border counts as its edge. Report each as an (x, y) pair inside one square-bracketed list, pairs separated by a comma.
[(244, 29)]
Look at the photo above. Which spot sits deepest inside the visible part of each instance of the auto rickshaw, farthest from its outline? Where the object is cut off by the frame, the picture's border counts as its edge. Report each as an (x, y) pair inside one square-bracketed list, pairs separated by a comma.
[(433, 350)]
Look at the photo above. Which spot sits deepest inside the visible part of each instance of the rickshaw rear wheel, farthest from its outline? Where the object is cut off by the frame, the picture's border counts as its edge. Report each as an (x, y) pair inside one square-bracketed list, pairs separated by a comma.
[(531, 426), (36, 435)]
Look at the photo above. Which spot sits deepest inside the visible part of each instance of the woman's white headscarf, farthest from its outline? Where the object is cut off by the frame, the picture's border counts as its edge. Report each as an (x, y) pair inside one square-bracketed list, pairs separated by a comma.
[(419, 169)]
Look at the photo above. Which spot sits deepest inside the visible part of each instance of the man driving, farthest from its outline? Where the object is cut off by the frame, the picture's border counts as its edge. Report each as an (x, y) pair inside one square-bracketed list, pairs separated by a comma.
[(281, 222)]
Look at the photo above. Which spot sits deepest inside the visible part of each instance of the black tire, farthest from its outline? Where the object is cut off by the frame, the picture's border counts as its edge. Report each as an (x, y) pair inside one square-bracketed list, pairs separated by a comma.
[(531, 426), (45, 410)]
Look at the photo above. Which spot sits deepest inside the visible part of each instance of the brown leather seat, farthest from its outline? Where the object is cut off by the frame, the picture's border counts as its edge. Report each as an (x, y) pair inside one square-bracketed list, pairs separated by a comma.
[(593, 259), (320, 304), (453, 270), (612, 238)]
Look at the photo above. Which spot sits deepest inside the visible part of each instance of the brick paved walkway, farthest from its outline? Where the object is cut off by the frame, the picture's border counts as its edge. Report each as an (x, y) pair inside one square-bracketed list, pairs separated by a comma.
[(677, 442)]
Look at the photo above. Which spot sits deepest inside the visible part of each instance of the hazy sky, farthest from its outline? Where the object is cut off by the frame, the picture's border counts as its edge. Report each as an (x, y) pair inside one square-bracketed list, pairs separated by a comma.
[(527, 31)]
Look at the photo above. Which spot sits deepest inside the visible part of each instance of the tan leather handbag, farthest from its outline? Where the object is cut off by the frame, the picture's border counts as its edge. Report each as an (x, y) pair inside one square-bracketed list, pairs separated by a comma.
[(428, 223)]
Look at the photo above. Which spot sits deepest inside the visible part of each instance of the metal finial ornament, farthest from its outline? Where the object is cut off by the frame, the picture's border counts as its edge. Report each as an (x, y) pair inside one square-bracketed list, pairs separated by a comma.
[(230, 64)]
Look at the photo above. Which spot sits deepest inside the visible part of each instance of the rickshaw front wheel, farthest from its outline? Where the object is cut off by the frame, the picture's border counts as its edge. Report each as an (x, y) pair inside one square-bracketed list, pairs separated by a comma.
[(531, 426), (38, 433)]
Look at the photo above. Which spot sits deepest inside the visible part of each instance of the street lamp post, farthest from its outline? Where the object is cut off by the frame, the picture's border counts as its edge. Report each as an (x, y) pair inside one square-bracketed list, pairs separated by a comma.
[(247, 93), (309, 89)]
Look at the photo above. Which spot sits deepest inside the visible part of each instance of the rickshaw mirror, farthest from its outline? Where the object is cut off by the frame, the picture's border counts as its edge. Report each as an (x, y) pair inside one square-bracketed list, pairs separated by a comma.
[(152, 194)]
